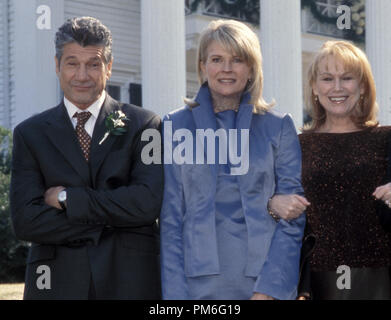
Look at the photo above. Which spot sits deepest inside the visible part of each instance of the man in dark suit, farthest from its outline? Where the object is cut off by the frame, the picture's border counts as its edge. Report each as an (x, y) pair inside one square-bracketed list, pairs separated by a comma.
[(84, 198)]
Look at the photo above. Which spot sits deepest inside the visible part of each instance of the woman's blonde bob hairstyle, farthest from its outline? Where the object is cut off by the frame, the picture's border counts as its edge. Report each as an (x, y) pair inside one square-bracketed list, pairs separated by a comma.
[(354, 60), (239, 39)]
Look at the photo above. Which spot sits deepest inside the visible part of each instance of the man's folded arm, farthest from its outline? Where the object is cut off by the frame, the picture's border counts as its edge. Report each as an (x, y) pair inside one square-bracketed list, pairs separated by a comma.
[(136, 204), (33, 220)]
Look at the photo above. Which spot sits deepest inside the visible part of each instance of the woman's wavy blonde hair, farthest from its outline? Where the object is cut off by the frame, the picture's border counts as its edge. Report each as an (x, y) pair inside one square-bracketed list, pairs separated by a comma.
[(239, 39), (354, 60)]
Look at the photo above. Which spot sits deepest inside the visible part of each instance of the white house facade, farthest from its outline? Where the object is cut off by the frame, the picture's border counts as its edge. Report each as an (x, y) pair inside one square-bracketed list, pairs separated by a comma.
[(154, 48)]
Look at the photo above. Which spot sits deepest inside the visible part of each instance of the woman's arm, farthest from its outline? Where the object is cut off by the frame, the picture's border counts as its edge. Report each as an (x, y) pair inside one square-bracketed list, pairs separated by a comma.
[(174, 285), (280, 272)]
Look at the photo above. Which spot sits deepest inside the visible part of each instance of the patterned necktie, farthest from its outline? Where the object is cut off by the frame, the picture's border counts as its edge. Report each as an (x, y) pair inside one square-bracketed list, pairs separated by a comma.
[(82, 135)]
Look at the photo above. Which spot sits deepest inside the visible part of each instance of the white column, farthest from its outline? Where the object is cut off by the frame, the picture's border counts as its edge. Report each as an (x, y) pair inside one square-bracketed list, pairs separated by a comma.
[(5, 110), (35, 84), (378, 49), (163, 59), (280, 37)]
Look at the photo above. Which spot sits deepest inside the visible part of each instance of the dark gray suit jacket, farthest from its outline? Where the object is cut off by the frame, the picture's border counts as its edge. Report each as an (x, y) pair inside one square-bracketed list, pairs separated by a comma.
[(108, 233)]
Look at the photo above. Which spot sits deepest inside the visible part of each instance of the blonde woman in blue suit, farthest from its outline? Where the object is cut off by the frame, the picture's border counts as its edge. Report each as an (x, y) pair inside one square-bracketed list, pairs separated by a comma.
[(220, 235)]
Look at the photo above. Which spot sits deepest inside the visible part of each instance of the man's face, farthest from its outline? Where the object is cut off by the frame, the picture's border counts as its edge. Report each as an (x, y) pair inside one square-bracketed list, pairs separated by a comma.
[(82, 73)]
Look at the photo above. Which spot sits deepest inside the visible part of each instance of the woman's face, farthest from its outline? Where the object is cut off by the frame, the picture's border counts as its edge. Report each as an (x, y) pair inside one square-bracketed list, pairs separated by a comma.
[(227, 74), (338, 90)]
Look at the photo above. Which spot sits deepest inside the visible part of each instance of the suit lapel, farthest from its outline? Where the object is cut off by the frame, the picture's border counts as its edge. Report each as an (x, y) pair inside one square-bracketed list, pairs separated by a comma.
[(243, 123), (203, 114), (100, 151), (61, 133), (205, 118), (245, 114)]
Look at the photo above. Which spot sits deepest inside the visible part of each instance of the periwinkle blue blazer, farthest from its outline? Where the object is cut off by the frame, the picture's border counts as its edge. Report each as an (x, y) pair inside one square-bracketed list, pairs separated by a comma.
[(188, 234)]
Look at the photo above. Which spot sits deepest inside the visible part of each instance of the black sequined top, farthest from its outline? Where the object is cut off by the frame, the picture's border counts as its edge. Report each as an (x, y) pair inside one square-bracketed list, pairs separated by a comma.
[(340, 172)]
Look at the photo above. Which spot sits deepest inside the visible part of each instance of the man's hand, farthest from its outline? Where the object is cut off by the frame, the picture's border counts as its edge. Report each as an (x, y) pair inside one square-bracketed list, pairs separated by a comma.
[(288, 206), (51, 196), (261, 296)]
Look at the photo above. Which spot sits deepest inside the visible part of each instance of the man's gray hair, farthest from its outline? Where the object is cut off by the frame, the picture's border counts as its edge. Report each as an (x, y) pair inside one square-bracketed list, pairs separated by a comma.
[(85, 31)]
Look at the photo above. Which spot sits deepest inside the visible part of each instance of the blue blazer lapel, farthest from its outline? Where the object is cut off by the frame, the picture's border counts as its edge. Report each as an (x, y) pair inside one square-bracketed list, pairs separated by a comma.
[(245, 113), (243, 122), (205, 118), (203, 114)]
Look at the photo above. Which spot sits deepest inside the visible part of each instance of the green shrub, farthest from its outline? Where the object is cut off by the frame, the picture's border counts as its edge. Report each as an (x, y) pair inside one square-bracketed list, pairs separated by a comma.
[(13, 252)]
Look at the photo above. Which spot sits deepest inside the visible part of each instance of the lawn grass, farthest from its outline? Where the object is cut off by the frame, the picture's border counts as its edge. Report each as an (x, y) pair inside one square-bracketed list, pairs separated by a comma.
[(11, 291)]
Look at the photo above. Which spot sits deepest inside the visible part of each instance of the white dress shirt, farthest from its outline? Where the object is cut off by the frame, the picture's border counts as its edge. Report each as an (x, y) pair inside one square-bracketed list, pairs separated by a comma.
[(94, 109)]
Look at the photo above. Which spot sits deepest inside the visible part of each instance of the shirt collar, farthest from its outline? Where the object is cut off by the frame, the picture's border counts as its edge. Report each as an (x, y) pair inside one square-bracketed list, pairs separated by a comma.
[(93, 108)]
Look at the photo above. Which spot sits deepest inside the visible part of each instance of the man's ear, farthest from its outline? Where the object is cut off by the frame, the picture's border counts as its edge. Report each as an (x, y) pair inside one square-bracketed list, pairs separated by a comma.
[(57, 65), (108, 69)]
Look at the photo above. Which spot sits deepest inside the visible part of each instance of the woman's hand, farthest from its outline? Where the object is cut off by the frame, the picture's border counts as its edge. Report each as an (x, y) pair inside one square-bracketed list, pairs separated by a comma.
[(304, 296), (288, 206), (261, 296), (384, 193)]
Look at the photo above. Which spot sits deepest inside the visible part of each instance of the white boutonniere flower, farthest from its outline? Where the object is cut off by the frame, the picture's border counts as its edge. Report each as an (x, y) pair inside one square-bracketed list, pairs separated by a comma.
[(116, 124)]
